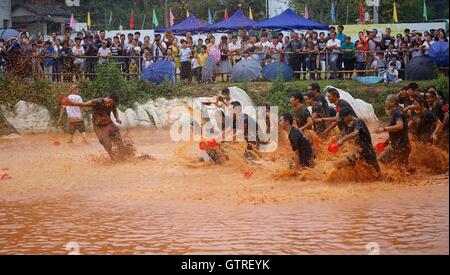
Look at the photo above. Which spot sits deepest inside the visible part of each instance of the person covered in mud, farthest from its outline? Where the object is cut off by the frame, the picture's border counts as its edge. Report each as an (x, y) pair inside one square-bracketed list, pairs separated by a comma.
[(301, 146), (302, 114), (413, 91), (314, 88), (335, 98), (107, 132), (423, 124), (404, 98), (245, 126), (355, 130), (224, 99), (215, 151), (398, 146), (317, 113), (438, 108), (74, 115), (442, 134)]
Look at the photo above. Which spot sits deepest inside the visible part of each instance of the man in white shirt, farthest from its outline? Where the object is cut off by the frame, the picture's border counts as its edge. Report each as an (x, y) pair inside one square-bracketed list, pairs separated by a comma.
[(78, 50), (74, 115), (265, 47), (234, 50), (277, 48), (104, 53), (333, 47), (159, 48)]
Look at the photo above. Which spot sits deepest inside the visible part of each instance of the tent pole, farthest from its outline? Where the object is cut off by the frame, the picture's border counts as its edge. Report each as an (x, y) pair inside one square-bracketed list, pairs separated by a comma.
[(167, 13)]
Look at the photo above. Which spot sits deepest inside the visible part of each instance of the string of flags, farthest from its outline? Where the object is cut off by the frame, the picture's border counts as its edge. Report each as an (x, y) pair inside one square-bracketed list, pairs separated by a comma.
[(171, 17)]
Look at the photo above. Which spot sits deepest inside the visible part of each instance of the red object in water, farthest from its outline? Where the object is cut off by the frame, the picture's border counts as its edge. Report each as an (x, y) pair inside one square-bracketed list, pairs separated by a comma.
[(5, 175), (212, 143), (333, 148), (380, 147), (202, 145), (56, 142), (65, 101), (248, 174)]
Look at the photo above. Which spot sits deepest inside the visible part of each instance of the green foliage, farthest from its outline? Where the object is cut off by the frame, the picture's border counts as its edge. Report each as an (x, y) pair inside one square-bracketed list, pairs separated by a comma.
[(279, 96), (109, 80), (442, 84), (40, 91)]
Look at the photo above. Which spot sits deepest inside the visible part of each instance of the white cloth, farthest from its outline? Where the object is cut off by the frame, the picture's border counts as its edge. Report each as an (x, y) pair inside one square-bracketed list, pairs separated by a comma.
[(74, 112)]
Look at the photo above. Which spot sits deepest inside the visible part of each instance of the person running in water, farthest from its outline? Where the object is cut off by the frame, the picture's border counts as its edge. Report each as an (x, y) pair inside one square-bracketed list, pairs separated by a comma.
[(335, 98), (355, 129), (107, 132), (303, 153), (398, 144)]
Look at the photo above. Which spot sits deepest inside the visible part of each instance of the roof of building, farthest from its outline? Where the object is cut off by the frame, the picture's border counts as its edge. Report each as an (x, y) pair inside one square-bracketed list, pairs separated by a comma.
[(43, 9), (42, 13)]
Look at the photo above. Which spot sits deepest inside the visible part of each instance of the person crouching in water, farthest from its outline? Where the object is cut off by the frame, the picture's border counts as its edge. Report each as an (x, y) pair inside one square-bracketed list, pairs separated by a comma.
[(75, 115), (398, 146), (245, 126), (301, 146), (107, 132), (355, 130)]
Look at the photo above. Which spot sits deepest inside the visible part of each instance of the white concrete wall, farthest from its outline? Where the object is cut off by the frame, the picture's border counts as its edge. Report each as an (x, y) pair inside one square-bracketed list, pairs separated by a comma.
[(5, 12)]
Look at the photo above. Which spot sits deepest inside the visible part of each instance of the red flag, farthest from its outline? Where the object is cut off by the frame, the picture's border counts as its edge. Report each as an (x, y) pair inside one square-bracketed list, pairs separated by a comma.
[(132, 21), (226, 16), (362, 15)]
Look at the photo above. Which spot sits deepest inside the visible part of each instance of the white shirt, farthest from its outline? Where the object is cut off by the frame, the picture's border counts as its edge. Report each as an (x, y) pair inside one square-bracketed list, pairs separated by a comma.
[(195, 63), (103, 53), (234, 47), (336, 43), (74, 112), (266, 45), (278, 47)]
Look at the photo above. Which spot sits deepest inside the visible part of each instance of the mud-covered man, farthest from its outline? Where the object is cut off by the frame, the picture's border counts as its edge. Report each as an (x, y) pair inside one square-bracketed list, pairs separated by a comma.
[(107, 132)]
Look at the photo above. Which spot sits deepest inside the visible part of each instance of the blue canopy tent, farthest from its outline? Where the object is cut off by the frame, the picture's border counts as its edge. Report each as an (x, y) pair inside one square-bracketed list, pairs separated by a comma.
[(190, 24), (289, 20), (6, 34), (234, 23)]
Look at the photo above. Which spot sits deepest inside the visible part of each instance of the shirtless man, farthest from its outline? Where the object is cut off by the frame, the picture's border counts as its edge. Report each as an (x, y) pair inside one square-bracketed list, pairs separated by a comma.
[(107, 132)]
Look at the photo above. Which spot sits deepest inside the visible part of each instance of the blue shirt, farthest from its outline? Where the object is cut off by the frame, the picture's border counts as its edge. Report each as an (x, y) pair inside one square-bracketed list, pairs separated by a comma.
[(49, 61), (341, 37)]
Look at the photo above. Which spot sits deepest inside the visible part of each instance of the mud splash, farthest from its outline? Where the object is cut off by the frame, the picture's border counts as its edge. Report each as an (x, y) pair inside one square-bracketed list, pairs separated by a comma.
[(174, 204)]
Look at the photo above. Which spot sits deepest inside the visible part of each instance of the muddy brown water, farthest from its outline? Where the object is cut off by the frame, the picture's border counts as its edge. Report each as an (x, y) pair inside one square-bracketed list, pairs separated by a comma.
[(73, 193)]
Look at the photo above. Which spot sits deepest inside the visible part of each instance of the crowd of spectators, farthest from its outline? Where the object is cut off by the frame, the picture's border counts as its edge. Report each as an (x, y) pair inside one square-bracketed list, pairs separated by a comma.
[(312, 55)]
